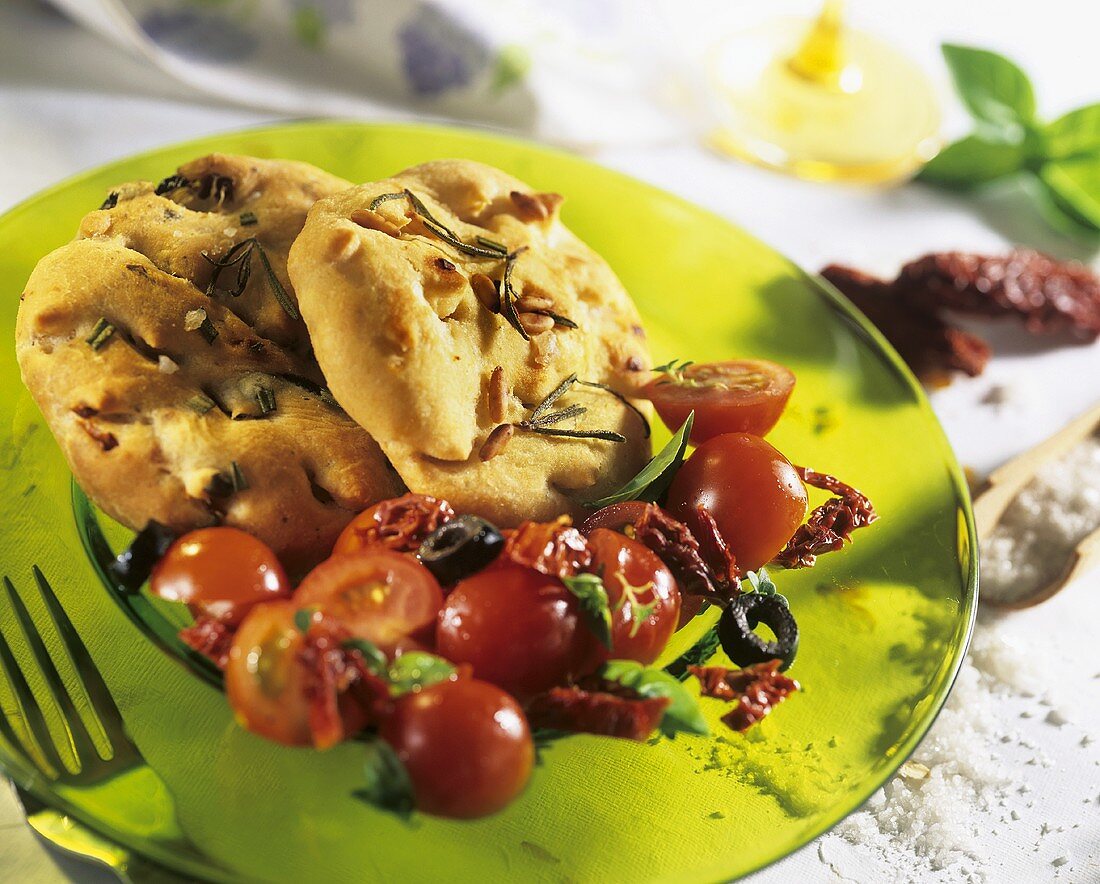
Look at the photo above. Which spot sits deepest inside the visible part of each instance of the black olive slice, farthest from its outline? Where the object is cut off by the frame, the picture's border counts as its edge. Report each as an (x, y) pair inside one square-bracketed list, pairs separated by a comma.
[(742, 645), (134, 564), (460, 548)]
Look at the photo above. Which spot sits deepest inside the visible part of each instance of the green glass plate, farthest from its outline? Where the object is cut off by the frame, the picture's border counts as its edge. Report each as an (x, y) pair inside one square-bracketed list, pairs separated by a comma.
[(884, 624)]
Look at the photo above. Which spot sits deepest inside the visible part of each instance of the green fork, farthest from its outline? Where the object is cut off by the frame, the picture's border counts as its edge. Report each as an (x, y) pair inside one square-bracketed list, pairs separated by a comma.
[(41, 758)]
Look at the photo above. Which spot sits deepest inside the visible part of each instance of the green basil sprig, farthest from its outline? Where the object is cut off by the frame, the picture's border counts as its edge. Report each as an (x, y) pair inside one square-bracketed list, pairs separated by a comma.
[(654, 478), (682, 714), (595, 605), (1060, 160), (386, 783)]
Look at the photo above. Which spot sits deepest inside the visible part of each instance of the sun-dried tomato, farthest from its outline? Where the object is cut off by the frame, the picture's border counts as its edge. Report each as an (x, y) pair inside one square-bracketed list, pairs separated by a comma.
[(402, 523), (830, 525), (756, 690), (1050, 296), (210, 637), (929, 346), (553, 548), (680, 550), (579, 710), (338, 680)]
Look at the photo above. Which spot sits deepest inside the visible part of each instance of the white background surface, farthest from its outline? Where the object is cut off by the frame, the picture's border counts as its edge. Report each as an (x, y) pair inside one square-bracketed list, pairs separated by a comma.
[(68, 102)]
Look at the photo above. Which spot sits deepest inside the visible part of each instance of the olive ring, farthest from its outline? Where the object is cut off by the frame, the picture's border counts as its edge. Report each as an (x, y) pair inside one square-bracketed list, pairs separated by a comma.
[(738, 622)]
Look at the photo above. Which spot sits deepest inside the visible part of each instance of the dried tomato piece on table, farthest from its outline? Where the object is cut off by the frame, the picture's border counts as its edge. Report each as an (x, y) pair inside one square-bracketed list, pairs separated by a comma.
[(756, 690), (830, 525), (929, 346)]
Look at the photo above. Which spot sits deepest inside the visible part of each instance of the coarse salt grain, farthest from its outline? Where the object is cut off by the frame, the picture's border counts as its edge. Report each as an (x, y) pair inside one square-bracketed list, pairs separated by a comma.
[(1036, 536), (167, 365)]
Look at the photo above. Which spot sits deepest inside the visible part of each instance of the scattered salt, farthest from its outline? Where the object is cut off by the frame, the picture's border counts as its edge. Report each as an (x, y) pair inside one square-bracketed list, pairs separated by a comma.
[(1059, 861), (229, 232), (1056, 718), (1040, 529), (167, 365)]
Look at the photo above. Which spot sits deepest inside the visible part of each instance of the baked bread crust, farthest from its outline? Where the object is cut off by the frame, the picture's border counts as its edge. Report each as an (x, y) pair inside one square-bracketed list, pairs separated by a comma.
[(157, 421), (410, 351)]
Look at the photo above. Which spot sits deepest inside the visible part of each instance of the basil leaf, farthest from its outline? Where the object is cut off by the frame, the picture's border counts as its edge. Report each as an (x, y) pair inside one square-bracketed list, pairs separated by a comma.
[(1058, 214), (303, 617), (1076, 185), (595, 606), (682, 714), (654, 478), (973, 161), (415, 670), (761, 582), (1075, 133), (386, 782), (994, 89), (376, 660), (697, 655)]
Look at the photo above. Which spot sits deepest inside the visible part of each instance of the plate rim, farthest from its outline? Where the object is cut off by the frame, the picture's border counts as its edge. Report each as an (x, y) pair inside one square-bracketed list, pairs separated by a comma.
[(829, 293)]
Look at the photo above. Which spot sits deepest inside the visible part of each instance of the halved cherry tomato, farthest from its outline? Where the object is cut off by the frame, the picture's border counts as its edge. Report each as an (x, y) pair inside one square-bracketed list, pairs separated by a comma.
[(518, 629), (220, 572), (739, 396), (645, 602), (264, 680), (400, 524), (383, 596), (752, 491), (465, 744), (616, 517)]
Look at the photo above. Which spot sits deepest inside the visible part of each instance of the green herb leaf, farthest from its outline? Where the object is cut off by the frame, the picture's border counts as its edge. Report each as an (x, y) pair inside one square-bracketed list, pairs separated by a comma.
[(973, 161), (101, 333), (697, 655), (265, 398), (248, 219), (995, 91), (236, 475), (200, 403), (1073, 134), (416, 670), (375, 659), (197, 320), (655, 477), (386, 782), (1076, 184), (1058, 214), (761, 582), (285, 301), (595, 606), (682, 714), (303, 618), (385, 198)]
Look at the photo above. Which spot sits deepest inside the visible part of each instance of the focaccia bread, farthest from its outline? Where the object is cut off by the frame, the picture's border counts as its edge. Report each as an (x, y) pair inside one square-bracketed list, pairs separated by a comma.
[(188, 407), (426, 344)]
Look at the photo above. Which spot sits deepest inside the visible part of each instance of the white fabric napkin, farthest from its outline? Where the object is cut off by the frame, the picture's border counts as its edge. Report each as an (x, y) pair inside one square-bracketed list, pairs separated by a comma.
[(581, 73)]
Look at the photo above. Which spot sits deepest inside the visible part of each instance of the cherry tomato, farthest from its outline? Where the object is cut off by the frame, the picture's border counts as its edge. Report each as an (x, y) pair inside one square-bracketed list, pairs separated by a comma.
[(401, 524), (383, 596), (740, 396), (263, 679), (221, 572), (465, 744), (752, 491), (518, 629), (616, 517), (645, 601)]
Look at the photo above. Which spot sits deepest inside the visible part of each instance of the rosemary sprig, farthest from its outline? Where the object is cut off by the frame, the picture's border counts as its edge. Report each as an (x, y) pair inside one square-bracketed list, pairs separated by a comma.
[(101, 333), (564, 321), (172, 182), (491, 244), (265, 396), (508, 295), (240, 256), (197, 320), (236, 476), (385, 198), (449, 236), (622, 399), (249, 219), (200, 403), (542, 418), (277, 287)]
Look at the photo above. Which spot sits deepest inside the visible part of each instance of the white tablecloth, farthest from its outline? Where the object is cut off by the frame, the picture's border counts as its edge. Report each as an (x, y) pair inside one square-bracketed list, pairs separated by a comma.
[(68, 103)]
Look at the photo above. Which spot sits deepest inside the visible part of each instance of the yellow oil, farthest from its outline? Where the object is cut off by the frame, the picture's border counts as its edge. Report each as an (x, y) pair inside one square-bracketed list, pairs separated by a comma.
[(822, 101)]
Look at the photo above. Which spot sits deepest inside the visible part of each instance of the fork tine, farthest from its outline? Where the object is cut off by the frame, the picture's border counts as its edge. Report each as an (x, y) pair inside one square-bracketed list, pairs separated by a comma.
[(83, 749), (103, 704), (32, 714)]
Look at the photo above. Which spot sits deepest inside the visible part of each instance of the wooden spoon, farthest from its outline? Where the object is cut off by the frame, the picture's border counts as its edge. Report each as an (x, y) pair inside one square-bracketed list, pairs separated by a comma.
[(1004, 485)]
